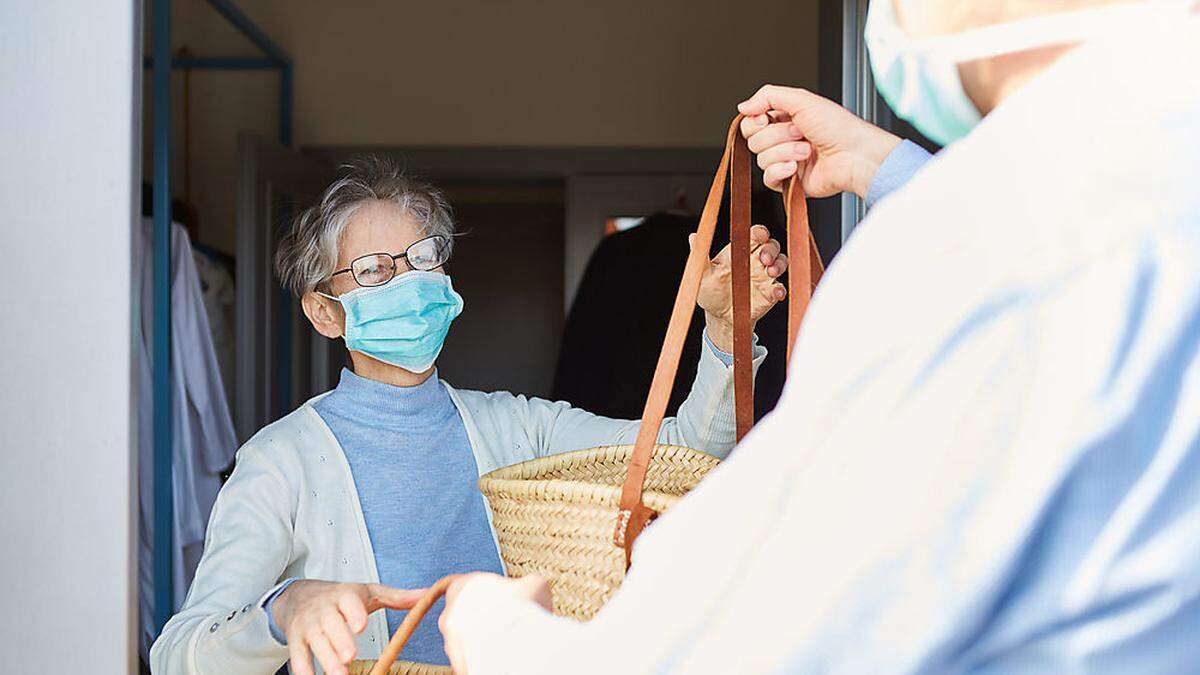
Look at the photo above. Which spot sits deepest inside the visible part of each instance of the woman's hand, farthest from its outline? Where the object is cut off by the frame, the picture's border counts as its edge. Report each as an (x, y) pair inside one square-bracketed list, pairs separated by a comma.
[(793, 129), (321, 618), (531, 588), (716, 287)]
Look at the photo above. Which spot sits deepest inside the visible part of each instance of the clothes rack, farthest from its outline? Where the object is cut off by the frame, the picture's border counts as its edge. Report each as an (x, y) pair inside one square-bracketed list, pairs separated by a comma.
[(275, 59)]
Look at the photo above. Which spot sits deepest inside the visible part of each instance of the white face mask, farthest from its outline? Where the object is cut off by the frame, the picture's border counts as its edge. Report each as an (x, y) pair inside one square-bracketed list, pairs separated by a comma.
[(919, 78)]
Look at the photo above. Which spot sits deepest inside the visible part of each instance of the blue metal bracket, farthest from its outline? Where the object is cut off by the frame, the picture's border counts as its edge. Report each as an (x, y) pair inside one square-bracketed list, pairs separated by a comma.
[(164, 502), (276, 59), (247, 27), (235, 63)]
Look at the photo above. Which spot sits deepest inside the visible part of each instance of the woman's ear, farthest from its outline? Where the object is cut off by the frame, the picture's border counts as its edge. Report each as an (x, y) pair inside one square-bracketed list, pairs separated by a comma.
[(326, 316)]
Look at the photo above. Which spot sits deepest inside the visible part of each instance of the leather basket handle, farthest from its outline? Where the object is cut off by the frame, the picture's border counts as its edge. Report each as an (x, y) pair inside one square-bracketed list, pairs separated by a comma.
[(395, 645), (805, 271)]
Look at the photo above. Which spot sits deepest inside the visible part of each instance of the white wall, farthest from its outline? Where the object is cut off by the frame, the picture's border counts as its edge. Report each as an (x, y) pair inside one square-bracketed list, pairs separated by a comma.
[(66, 464)]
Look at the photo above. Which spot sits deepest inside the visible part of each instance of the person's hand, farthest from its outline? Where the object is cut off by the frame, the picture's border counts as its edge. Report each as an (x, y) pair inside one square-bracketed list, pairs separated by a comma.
[(794, 130), (531, 588), (716, 287), (320, 618)]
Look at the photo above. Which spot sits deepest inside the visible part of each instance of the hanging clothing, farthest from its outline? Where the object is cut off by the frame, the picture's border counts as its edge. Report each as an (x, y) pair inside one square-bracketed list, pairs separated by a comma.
[(618, 320), (220, 297), (203, 440)]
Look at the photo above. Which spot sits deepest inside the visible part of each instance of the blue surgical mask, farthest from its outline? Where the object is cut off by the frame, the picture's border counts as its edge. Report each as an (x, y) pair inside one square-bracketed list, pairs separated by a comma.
[(403, 322), (919, 78)]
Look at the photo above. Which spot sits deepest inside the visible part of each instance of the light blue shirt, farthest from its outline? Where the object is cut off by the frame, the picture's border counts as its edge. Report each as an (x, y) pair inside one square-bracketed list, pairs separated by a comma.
[(897, 169), (416, 480)]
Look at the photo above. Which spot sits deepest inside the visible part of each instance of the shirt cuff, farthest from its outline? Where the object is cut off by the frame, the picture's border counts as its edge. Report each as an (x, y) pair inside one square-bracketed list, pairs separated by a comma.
[(897, 169), (726, 358), (265, 603)]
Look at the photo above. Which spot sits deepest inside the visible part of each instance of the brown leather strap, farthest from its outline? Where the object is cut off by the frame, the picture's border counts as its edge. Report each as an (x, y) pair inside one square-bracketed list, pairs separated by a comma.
[(394, 646), (633, 515), (804, 260), (739, 257), (804, 271)]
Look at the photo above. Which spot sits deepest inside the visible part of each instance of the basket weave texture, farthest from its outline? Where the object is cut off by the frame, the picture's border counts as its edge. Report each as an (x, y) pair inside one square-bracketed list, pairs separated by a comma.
[(363, 667), (555, 516)]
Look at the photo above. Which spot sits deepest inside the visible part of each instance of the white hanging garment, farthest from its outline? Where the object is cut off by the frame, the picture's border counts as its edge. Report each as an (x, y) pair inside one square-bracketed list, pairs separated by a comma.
[(217, 288), (202, 430)]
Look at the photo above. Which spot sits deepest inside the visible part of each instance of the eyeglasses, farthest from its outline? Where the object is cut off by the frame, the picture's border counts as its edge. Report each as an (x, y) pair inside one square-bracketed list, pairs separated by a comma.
[(376, 269)]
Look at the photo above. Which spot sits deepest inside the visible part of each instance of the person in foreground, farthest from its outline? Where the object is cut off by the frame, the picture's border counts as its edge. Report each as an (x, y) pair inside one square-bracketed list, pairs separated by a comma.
[(987, 456), (373, 486)]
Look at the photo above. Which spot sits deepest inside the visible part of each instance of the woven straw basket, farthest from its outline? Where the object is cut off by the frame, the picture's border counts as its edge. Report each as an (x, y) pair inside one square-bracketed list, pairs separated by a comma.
[(399, 668), (555, 516), (572, 518)]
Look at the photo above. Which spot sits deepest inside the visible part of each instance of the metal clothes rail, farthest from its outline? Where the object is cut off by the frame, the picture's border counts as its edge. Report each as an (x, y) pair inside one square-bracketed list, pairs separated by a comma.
[(276, 59)]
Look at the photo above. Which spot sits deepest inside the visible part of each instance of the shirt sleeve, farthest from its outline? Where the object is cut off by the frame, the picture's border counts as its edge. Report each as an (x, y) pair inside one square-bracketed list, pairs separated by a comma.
[(222, 626), (725, 357), (901, 164)]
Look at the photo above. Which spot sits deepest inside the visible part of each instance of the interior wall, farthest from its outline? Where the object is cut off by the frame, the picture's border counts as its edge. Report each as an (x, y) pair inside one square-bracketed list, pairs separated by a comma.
[(620, 73), (66, 458)]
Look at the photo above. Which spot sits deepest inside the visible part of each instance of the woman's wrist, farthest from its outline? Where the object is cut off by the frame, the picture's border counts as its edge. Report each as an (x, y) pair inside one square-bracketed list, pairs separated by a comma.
[(873, 149), (720, 331)]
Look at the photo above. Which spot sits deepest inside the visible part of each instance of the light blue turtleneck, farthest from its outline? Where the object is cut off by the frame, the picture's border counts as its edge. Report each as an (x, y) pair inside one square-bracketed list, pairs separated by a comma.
[(416, 479)]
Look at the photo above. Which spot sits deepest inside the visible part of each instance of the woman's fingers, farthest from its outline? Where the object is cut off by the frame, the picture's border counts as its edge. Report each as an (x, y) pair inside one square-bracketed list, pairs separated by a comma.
[(768, 253), (778, 266), (793, 151), (337, 632), (773, 134), (775, 97), (318, 642), (393, 598), (299, 656), (752, 124), (776, 175), (351, 605)]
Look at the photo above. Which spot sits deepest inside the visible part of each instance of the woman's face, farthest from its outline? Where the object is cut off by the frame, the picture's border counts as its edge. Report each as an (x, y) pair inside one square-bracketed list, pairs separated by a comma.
[(375, 227)]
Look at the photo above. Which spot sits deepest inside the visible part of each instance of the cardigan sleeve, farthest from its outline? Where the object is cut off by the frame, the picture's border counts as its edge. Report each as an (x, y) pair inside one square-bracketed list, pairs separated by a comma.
[(222, 627), (704, 421)]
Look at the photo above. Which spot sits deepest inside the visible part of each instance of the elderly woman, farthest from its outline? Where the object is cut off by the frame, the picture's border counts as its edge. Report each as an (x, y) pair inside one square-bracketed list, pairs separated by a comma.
[(371, 488)]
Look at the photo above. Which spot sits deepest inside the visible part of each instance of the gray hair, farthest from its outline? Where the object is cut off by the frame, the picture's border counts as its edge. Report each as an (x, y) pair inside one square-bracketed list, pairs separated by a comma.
[(308, 252)]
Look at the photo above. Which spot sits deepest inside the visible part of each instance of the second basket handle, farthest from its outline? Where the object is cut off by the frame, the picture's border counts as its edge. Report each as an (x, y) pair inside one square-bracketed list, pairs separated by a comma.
[(405, 630), (804, 272)]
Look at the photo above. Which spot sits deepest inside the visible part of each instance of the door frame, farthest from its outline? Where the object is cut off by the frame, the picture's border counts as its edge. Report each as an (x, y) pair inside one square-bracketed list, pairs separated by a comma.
[(273, 341)]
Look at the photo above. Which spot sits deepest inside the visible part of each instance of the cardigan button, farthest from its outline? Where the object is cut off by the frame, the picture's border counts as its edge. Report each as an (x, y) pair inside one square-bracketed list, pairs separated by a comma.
[(246, 608), (231, 615), (213, 628)]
